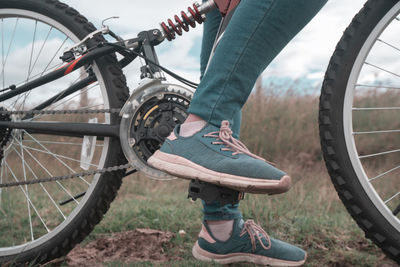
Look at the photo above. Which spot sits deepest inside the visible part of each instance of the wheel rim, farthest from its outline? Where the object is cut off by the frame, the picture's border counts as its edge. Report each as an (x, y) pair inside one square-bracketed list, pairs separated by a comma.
[(40, 153), (371, 150)]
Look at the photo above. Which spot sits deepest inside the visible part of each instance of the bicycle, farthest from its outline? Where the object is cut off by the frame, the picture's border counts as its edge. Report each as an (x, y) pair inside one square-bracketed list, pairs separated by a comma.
[(76, 114)]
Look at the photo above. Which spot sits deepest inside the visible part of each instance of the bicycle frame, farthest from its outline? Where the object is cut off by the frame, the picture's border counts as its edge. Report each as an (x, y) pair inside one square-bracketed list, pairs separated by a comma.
[(61, 128), (130, 49)]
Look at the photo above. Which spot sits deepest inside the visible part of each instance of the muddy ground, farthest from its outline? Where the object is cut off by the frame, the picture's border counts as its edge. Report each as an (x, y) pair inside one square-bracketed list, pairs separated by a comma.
[(131, 246)]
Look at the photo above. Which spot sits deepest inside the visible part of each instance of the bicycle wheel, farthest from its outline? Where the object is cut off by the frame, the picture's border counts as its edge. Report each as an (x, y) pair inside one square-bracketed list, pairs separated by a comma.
[(44, 221), (359, 126)]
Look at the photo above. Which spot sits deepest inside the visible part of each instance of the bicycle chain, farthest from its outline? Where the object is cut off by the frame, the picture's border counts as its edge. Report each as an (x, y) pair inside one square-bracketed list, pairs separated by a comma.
[(60, 112), (68, 176)]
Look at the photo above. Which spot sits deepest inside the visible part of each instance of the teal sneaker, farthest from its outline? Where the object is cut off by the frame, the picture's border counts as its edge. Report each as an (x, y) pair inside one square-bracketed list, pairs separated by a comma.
[(212, 155), (248, 243)]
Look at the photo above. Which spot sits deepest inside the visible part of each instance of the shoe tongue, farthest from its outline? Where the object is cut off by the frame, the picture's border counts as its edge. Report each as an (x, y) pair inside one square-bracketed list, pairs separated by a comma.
[(239, 224), (177, 129), (209, 128)]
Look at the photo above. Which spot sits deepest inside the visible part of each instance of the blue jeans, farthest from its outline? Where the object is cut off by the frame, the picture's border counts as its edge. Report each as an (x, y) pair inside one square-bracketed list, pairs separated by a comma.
[(258, 31)]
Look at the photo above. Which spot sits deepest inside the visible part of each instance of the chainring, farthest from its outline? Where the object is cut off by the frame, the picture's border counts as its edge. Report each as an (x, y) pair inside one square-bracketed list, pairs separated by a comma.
[(149, 116)]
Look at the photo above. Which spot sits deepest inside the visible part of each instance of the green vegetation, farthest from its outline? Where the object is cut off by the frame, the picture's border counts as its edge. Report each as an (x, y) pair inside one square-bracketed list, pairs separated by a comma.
[(282, 128)]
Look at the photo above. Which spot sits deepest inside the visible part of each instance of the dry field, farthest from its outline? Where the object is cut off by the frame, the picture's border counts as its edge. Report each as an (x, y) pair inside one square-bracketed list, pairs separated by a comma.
[(283, 128)]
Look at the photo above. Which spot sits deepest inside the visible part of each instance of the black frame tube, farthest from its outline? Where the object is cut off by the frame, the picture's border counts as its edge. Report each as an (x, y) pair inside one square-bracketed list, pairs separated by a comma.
[(70, 90), (64, 70), (65, 128)]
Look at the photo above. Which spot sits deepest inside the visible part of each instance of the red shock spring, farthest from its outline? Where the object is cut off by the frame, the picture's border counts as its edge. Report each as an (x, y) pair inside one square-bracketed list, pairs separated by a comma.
[(183, 23)]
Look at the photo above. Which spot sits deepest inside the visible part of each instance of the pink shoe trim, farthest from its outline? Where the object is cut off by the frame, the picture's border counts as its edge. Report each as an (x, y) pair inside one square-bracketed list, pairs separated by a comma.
[(204, 255), (172, 137), (206, 236), (184, 168)]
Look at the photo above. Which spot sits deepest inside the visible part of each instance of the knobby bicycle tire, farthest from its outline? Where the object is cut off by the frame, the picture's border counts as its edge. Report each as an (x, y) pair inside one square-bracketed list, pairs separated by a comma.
[(332, 136), (108, 184)]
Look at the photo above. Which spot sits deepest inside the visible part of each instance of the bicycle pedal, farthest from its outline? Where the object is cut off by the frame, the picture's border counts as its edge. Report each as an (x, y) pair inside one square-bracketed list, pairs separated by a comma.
[(211, 193)]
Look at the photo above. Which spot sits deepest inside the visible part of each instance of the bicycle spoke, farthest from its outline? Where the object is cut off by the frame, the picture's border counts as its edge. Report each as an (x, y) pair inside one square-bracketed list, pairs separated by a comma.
[(31, 45), (382, 108), (57, 157), (25, 95), (9, 49), (32, 50), (382, 69), (379, 154), (32, 205), (50, 174), (26, 190), (58, 143), (41, 184), (11, 217), (391, 198), (386, 43), (377, 86), (41, 49), (30, 69), (376, 132), (383, 174), (2, 52), (54, 56)]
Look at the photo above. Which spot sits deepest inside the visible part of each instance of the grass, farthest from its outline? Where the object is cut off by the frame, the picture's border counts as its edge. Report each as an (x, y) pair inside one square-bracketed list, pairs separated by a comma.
[(281, 127), (310, 215)]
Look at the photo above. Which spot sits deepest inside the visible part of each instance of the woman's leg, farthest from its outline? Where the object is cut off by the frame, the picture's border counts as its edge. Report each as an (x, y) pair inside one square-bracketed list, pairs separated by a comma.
[(258, 31), (241, 235), (215, 211)]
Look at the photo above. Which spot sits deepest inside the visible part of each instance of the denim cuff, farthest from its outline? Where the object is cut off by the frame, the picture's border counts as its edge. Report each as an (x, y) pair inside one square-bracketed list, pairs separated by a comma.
[(222, 215)]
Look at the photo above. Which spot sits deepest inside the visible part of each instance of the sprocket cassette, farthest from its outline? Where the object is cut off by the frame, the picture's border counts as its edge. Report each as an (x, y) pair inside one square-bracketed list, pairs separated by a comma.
[(148, 117), (5, 133)]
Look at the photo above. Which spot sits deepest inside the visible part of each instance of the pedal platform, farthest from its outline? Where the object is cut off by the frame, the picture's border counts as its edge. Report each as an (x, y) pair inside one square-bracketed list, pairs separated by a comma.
[(211, 193)]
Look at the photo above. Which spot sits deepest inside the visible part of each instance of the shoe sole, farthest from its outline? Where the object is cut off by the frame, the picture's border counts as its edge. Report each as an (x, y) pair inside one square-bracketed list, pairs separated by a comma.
[(183, 168), (202, 255)]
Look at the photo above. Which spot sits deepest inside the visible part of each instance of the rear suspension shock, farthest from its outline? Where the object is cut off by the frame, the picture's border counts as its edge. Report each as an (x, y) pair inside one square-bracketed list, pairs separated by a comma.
[(195, 14)]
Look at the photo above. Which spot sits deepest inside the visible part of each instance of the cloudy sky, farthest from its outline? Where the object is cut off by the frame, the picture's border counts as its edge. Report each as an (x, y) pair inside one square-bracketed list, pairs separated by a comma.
[(306, 57)]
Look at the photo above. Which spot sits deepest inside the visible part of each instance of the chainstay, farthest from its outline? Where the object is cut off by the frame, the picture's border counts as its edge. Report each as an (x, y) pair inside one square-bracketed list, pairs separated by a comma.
[(68, 176)]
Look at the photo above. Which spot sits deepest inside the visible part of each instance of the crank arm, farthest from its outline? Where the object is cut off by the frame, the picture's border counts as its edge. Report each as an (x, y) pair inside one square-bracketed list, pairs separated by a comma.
[(65, 128)]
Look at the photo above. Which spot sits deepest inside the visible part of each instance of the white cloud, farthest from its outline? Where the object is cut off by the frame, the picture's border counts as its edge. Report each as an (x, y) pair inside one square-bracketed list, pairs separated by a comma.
[(311, 49)]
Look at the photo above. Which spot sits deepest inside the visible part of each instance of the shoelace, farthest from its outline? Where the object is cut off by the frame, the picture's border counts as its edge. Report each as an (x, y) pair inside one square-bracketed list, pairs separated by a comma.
[(253, 230), (224, 135)]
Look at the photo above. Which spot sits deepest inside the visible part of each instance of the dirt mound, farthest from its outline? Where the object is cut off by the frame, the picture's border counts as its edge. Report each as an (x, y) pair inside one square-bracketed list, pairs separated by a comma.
[(131, 246)]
